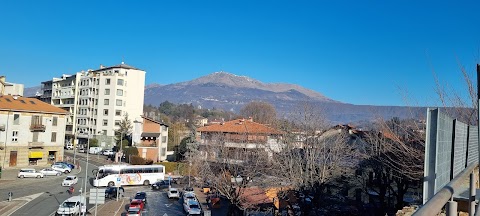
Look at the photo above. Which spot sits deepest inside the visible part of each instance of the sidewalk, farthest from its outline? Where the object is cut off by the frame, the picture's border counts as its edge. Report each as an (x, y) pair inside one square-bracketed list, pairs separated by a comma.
[(7, 208)]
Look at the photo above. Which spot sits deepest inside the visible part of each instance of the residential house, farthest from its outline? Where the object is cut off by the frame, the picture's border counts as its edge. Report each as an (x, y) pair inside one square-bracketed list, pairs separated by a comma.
[(31, 132), (239, 135), (151, 139)]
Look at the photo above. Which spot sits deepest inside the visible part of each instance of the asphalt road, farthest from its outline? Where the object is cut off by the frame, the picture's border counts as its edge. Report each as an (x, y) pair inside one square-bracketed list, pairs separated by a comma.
[(53, 194)]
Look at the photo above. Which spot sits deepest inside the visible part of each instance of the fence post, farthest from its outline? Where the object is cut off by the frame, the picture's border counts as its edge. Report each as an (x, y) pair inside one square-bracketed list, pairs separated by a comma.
[(471, 203), (451, 208)]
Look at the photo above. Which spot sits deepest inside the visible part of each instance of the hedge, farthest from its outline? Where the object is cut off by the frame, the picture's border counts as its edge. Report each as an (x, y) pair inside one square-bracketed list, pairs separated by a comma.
[(176, 168)]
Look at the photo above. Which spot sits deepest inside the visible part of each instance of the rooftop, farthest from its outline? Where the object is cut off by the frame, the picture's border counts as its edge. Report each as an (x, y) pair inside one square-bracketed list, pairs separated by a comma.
[(240, 126), (17, 103)]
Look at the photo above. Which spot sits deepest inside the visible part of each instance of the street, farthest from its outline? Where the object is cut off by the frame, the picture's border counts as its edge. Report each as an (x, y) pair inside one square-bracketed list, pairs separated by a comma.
[(52, 194)]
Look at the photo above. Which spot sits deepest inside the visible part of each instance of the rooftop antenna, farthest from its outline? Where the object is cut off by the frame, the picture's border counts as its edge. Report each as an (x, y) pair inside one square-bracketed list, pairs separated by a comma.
[(123, 60)]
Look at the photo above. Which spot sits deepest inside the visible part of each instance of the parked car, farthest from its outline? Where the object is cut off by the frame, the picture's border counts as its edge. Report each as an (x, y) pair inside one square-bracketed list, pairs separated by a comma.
[(50, 172), (29, 173), (65, 163), (94, 150), (111, 192), (68, 146), (137, 204), (82, 150), (69, 181), (108, 152), (187, 196), (173, 193), (141, 196), (192, 207), (160, 184), (62, 168), (74, 205)]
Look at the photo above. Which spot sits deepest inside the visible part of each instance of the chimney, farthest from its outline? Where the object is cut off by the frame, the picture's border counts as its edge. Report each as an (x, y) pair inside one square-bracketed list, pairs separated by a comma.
[(2, 79), (250, 119), (101, 66)]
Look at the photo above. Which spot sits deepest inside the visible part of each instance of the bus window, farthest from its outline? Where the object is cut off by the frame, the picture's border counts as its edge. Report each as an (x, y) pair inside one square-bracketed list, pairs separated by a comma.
[(148, 170), (160, 169)]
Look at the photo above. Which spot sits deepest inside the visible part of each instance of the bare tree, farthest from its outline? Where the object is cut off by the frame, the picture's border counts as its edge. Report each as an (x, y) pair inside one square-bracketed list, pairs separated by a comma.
[(315, 155), (231, 167), (261, 112), (395, 157)]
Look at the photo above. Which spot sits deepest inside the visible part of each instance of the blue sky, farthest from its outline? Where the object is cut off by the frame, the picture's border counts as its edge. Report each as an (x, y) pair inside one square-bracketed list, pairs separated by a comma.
[(360, 52)]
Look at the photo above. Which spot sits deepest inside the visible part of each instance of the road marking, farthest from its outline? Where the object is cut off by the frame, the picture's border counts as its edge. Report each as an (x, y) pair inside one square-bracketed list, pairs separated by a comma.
[(168, 205), (27, 199), (165, 214)]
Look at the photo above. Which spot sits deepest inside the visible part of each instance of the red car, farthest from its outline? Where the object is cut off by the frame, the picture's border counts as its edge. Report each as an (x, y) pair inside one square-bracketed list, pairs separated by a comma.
[(137, 204)]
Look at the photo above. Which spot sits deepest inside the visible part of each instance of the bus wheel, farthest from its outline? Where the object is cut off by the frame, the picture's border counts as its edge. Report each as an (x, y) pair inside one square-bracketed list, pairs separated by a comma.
[(111, 184), (146, 182)]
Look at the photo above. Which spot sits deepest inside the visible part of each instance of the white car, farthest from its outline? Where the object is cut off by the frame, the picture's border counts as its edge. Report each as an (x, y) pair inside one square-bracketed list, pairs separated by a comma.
[(74, 205), (51, 172), (173, 193), (108, 152), (29, 173), (69, 181), (62, 168)]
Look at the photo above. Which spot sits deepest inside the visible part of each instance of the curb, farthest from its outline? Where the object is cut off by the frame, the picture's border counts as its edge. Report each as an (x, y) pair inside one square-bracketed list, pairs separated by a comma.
[(22, 201)]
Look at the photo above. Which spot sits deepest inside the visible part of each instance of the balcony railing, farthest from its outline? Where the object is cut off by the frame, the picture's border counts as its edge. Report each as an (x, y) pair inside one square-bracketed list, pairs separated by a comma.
[(35, 144), (37, 127)]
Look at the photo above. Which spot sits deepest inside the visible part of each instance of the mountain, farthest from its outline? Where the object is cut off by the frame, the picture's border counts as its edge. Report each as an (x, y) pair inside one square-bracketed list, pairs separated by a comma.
[(31, 91), (231, 92)]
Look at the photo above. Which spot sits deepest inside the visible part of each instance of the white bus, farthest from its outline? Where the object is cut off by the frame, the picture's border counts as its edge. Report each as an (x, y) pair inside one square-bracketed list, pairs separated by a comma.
[(118, 175)]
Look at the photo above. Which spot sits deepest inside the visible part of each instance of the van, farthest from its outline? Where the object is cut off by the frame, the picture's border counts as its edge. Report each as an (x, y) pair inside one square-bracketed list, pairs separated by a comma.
[(74, 205), (94, 150)]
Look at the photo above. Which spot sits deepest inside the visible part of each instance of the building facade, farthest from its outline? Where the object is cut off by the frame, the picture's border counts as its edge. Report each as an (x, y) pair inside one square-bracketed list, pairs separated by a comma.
[(97, 101), (7, 88), (151, 139), (231, 140), (31, 132)]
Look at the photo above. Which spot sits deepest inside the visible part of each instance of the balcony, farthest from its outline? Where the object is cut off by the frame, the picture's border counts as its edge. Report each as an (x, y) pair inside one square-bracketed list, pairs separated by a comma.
[(37, 127), (2, 127), (35, 144), (69, 123)]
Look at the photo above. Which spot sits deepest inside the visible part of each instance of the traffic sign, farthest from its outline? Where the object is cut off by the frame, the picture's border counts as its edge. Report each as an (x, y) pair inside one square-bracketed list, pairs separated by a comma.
[(97, 196)]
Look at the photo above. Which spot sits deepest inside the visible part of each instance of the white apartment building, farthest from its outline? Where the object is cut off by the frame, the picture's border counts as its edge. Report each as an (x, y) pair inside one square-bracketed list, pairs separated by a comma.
[(31, 132), (7, 88), (100, 100)]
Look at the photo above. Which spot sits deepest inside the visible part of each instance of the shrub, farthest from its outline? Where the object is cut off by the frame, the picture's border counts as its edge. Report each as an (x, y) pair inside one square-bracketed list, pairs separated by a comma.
[(137, 160), (173, 167)]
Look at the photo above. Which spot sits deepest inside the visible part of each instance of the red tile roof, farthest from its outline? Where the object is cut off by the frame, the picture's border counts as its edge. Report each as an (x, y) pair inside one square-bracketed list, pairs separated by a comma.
[(17, 103), (240, 126)]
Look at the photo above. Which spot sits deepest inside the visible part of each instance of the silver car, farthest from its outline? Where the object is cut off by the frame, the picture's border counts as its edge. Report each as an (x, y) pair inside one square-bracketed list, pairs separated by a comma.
[(29, 173), (50, 172), (192, 207)]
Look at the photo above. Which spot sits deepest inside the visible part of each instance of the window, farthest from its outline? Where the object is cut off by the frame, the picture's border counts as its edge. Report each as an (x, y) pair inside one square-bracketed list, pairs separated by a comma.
[(119, 92), (105, 122), (164, 139), (118, 112), (107, 81), (104, 132), (105, 112), (36, 120), (14, 136), (35, 136), (54, 137), (106, 102), (120, 82), (162, 151), (117, 122), (107, 91), (119, 102), (54, 121), (16, 119)]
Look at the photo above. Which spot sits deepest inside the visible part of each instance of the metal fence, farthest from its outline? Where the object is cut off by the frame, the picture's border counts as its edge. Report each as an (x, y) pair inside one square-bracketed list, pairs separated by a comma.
[(451, 154)]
